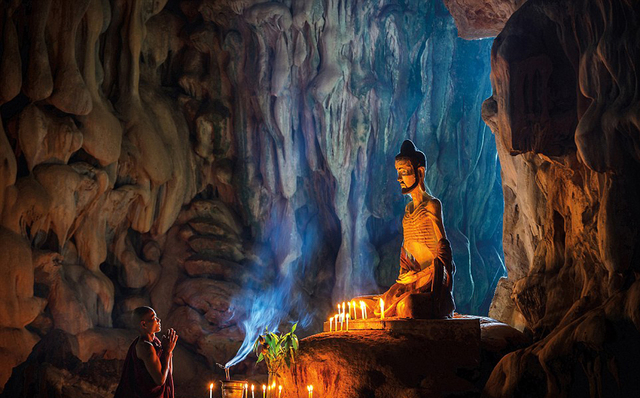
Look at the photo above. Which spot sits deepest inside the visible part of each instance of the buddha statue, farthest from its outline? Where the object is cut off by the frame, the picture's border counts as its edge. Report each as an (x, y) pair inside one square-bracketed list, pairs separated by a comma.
[(424, 287)]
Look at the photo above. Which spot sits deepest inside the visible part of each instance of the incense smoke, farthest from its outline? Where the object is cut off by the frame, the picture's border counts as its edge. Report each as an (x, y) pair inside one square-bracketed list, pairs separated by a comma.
[(266, 311)]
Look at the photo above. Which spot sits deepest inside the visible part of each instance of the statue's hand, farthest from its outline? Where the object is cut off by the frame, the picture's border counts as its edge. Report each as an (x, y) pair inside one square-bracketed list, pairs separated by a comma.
[(407, 277)]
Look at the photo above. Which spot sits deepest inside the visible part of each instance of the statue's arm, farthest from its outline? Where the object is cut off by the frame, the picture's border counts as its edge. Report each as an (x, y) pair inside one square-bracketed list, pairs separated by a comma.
[(405, 261), (434, 209)]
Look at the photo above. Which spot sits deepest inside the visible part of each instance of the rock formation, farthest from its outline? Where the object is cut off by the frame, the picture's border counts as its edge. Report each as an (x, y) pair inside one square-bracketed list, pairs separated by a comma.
[(434, 358), (478, 19), (181, 154), (565, 114)]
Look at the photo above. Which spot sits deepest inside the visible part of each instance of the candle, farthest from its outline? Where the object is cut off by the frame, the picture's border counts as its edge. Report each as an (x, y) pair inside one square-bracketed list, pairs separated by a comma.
[(310, 391), (211, 390), (279, 391), (252, 388), (381, 309), (344, 310), (355, 312), (264, 390), (330, 323), (363, 310), (348, 322), (339, 311), (349, 304), (269, 390), (246, 390)]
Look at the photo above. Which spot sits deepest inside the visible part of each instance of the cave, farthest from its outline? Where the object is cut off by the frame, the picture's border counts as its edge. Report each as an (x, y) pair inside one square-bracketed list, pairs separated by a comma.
[(230, 163)]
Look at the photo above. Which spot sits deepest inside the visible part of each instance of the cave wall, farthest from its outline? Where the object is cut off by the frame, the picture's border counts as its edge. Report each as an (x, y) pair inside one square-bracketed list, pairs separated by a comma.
[(183, 154), (565, 112)]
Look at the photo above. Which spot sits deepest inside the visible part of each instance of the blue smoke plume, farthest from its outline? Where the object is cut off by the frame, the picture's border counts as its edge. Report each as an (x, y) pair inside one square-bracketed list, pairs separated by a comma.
[(267, 310)]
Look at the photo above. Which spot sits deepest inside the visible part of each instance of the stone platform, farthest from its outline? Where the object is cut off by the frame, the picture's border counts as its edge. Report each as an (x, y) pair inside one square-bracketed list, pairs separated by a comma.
[(392, 358)]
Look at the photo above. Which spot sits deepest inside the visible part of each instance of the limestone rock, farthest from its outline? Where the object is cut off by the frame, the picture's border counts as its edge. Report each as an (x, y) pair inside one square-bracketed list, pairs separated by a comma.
[(16, 345), (18, 306), (236, 144), (54, 369), (479, 19), (45, 138), (8, 167), (569, 238), (10, 63)]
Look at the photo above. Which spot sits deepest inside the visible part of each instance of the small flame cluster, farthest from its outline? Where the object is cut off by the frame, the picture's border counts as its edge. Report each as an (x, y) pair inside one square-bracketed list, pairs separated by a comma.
[(349, 311), (310, 389), (268, 391)]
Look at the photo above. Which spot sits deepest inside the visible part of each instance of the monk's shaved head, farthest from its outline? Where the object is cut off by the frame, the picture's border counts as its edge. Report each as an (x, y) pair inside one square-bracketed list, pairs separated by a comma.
[(140, 313)]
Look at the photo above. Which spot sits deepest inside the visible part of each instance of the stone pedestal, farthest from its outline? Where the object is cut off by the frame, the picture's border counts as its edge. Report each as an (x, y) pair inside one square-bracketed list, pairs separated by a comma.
[(389, 358)]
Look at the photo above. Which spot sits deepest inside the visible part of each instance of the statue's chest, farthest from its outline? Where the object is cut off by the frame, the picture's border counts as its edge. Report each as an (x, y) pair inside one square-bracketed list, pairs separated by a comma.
[(418, 228)]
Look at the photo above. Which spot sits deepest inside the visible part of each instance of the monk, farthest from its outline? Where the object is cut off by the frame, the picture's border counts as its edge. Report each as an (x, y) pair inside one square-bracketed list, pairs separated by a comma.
[(425, 284), (148, 367)]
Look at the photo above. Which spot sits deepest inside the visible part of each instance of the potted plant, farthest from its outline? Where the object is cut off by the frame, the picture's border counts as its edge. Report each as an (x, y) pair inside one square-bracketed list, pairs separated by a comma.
[(276, 351)]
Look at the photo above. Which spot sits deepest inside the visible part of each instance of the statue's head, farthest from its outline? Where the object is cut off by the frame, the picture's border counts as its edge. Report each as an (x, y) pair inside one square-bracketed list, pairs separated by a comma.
[(411, 165)]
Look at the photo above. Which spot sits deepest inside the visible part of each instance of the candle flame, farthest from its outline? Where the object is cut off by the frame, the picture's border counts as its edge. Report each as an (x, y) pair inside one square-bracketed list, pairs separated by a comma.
[(252, 387), (381, 309), (264, 387), (211, 386), (279, 388)]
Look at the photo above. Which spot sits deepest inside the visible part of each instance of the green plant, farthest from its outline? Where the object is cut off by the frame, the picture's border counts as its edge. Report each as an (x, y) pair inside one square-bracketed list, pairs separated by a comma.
[(275, 350)]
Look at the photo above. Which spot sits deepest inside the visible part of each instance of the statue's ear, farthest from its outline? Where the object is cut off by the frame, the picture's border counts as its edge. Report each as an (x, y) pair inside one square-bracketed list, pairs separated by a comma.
[(421, 171)]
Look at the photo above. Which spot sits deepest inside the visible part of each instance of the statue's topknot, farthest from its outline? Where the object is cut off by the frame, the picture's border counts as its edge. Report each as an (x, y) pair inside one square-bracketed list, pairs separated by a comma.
[(408, 151)]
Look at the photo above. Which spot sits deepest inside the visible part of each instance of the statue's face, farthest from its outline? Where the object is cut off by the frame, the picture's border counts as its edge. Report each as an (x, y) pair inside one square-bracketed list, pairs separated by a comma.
[(406, 175)]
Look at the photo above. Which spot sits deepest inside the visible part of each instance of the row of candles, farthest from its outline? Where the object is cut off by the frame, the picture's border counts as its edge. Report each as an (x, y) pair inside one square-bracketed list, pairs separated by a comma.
[(266, 390), (345, 312)]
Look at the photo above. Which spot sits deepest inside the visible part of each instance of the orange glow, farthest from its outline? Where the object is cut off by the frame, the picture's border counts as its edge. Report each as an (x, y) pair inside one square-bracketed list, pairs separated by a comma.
[(381, 309)]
